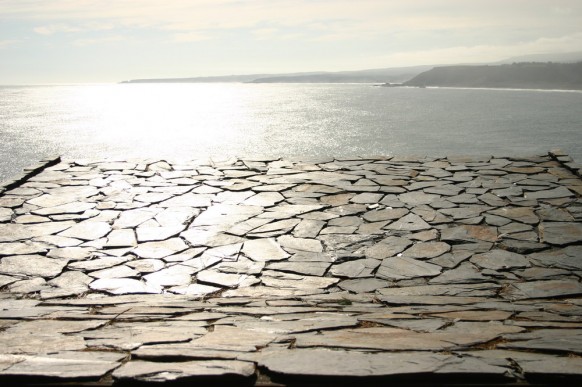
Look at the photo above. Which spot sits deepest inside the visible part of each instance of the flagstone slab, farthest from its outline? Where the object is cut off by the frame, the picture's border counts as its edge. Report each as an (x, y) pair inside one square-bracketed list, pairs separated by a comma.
[(87, 230), (500, 260), (388, 247), (62, 365), (300, 244), (410, 222), (312, 268), (399, 268), (469, 233), (560, 233), (160, 249), (544, 289), (427, 250), (124, 286), (264, 250), (12, 232), (154, 372), (22, 248), (563, 340), (32, 265), (287, 280)]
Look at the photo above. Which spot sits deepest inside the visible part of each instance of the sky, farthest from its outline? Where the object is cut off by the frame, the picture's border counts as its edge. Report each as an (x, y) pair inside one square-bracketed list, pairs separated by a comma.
[(93, 41)]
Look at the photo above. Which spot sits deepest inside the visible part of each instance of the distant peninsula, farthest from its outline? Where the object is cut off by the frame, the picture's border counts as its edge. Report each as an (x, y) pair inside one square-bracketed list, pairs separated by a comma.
[(378, 76), (524, 75)]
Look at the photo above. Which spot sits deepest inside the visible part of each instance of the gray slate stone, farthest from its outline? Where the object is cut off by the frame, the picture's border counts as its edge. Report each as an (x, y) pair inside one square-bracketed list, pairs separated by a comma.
[(560, 233), (399, 268)]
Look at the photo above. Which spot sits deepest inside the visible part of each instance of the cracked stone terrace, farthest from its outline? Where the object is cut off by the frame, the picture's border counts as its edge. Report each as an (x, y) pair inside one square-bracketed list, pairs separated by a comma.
[(267, 271)]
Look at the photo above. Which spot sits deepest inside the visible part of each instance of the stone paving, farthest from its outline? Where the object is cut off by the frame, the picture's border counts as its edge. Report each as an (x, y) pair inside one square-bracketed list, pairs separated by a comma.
[(275, 272)]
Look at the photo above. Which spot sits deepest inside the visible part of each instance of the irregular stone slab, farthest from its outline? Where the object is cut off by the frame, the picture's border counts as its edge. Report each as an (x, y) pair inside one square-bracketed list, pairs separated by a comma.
[(359, 268), (543, 289), (300, 244), (465, 273), (399, 268), (61, 365), (12, 232), (40, 343), (313, 268), (388, 247), (150, 372), (22, 248), (556, 193), (410, 222), (189, 200), (133, 218), (6, 280), (460, 290), (69, 208), (161, 249), (272, 293), (120, 271), (500, 260), (551, 366), (427, 250), (307, 323), (124, 286), (563, 340), (32, 265), (72, 253), (264, 199), (363, 285), (417, 198), (337, 363), (149, 234), (520, 214), (87, 230), (226, 214), (286, 280), (475, 315), (560, 233), (382, 338), (197, 290), (228, 338), (5, 214), (226, 279), (177, 275), (145, 266), (264, 250), (469, 233), (385, 214), (281, 227), (569, 258), (98, 264), (308, 228)]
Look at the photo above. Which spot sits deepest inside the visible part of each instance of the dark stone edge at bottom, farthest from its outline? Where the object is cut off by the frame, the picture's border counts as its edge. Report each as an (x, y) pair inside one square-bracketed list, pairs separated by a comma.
[(28, 172)]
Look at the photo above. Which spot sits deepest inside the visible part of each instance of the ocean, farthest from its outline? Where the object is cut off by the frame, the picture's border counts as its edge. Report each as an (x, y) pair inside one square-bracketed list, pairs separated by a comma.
[(193, 121)]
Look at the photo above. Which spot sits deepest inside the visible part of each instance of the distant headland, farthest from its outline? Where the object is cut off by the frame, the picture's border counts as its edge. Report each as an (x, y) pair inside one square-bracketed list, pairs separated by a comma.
[(525, 75), (539, 71)]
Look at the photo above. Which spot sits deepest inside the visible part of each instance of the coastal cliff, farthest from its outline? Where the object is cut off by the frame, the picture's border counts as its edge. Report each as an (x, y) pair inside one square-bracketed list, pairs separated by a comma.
[(531, 75)]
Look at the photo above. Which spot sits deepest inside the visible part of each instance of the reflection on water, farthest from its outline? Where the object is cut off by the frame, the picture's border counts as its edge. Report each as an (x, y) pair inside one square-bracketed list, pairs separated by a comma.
[(197, 120)]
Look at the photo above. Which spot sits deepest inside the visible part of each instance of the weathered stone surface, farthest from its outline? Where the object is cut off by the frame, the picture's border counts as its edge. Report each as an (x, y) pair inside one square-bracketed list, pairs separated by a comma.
[(87, 230), (544, 289), (32, 265), (410, 222), (322, 362), (399, 268), (388, 247), (61, 365), (426, 250), (124, 286), (500, 260), (560, 233), (167, 372), (294, 281), (161, 249), (469, 233), (313, 268), (264, 250), (563, 340)]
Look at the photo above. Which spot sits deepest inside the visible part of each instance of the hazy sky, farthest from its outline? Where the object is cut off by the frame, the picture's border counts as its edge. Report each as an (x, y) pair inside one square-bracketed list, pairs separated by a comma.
[(54, 41)]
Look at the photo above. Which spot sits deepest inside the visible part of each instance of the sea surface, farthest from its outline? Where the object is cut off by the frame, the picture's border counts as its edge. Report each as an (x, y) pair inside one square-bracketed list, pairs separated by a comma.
[(192, 121)]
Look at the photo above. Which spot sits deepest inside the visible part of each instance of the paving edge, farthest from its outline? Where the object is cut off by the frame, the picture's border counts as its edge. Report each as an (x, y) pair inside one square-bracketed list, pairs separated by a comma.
[(28, 172), (567, 161)]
